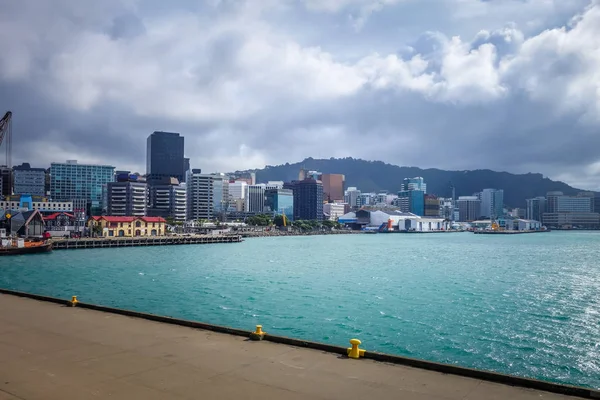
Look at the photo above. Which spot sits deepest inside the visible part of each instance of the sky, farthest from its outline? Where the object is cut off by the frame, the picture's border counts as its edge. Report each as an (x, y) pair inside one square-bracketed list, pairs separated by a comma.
[(509, 85)]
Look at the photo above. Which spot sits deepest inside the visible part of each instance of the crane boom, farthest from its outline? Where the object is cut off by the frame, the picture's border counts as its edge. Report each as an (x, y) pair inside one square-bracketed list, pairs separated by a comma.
[(6, 132)]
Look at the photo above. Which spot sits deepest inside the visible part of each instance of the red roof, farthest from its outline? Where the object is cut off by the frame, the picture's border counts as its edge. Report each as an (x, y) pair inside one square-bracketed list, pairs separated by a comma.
[(129, 219), (52, 217)]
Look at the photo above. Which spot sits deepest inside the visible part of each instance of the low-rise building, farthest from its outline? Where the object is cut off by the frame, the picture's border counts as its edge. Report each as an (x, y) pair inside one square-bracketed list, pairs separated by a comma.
[(333, 211), (41, 204), (109, 226)]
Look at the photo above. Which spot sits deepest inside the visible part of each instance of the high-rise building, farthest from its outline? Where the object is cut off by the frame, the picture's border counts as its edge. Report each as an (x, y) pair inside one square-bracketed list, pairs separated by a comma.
[(308, 199), (417, 183), (168, 199), (127, 197), (415, 199), (164, 157), (255, 198), (81, 183), (469, 208), (492, 203), (352, 197), (207, 195), (333, 211), (536, 208), (279, 201), (6, 180), (333, 187), (29, 180)]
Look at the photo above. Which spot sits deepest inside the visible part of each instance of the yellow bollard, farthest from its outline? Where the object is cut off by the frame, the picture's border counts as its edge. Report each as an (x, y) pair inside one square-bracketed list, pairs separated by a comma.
[(258, 334), (74, 301), (354, 351)]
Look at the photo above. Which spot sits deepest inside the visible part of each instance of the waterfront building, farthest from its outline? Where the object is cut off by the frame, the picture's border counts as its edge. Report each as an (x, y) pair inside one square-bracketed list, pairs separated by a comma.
[(352, 197), (417, 183), (28, 180), (60, 223), (446, 209), (412, 201), (279, 201), (568, 220), (168, 199), (128, 226), (492, 203), (333, 211), (6, 180), (333, 187), (207, 195), (165, 157), (308, 199), (127, 197), (255, 198), (469, 208), (29, 203), (71, 181)]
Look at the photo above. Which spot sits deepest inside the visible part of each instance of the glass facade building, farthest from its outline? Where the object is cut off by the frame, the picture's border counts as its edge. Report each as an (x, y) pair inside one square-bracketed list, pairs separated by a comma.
[(308, 199), (280, 201), (414, 199), (72, 181), (164, 157)]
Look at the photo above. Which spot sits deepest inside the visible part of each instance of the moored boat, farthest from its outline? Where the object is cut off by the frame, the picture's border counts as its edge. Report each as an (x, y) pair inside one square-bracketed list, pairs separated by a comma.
[(13, 247)]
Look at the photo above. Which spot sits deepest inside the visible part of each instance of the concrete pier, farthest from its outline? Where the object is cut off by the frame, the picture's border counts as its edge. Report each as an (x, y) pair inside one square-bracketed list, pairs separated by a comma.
[(49, 351), (90, 243)]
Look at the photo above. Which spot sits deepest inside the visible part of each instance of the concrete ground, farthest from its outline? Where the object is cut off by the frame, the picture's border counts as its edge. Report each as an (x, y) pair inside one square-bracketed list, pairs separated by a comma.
[(52, 352)]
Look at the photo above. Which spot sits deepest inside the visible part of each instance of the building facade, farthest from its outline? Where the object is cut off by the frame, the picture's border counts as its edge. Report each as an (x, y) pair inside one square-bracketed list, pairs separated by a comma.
[(6, 180), (469, 208), (492, 203), (41, 204), (333, 187), (279, 201), (417, 183), (415, 199), (127, 198), (29, 180), (308, 199), (70, 181), (168, 200), (164, 157), (111, 226), (255, 198), (333, 211), (536, 208), (352, 197), (432, 206), (207, 195)]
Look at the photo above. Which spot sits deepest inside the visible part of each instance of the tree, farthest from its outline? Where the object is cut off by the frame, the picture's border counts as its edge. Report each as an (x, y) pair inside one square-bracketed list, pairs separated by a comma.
[(259, 220), (278, 221)]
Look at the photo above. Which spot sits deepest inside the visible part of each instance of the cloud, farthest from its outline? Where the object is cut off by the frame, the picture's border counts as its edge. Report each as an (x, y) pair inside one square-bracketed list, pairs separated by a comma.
[(250, 85)]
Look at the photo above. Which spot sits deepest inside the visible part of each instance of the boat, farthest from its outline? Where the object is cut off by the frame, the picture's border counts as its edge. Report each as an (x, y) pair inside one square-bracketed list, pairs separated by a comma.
[(13, 247)]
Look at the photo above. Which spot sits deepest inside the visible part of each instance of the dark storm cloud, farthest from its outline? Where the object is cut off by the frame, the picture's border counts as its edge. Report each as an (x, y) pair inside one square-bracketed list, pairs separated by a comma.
[(251, 84)]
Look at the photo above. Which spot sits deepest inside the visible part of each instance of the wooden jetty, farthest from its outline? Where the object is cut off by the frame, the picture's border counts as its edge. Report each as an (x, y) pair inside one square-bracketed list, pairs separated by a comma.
[(91, 243)]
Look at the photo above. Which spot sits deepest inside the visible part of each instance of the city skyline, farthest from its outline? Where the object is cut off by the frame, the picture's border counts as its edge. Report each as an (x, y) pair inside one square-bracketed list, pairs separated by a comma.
[(458, 85)]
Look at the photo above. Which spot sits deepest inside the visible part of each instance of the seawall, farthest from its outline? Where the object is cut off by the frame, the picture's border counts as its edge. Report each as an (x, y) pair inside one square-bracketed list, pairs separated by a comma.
[(388, 358)]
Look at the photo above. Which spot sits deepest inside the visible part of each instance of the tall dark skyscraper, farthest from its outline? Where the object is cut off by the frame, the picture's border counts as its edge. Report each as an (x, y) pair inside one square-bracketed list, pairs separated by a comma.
[(308, 199), (164, 157)]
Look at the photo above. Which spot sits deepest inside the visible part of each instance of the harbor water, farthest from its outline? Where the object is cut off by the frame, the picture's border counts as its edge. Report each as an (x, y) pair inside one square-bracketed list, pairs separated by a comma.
[(526, 305)]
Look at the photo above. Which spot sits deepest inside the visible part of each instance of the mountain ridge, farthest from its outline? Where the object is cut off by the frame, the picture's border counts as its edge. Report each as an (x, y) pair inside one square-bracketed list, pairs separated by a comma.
[(377, 176)]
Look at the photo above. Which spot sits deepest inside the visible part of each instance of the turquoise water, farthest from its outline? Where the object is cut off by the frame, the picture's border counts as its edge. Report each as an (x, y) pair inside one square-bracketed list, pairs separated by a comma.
[(526, 305)]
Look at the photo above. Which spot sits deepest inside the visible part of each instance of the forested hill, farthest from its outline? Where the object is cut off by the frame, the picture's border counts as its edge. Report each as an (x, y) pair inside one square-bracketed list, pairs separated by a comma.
[(375, 176)]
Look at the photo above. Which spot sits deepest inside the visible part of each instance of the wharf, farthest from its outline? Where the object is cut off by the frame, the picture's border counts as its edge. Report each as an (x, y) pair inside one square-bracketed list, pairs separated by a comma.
[(506, 232), (52, 352), (90, 243)]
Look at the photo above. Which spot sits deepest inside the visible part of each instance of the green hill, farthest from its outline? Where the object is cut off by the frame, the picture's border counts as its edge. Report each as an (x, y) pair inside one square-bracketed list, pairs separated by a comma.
[(375, 176)]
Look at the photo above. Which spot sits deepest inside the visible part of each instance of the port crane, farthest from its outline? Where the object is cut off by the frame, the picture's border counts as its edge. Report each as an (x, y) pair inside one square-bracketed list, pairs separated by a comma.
[(6, 136)]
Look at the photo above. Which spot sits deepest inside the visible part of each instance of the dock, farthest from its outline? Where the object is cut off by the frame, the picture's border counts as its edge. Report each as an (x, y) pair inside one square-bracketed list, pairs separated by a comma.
[(91, 243), (49, 351), (506, 232)]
